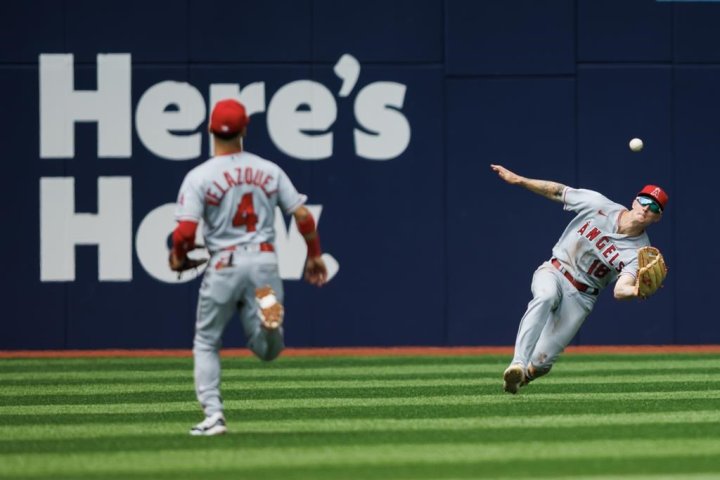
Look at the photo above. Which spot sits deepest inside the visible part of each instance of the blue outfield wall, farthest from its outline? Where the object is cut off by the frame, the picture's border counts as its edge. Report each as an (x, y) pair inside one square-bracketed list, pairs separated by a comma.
[(387, 114)]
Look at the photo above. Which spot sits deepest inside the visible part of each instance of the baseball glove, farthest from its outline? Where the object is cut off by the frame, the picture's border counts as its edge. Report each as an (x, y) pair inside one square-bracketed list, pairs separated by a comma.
[(652, 271), (187, 263)]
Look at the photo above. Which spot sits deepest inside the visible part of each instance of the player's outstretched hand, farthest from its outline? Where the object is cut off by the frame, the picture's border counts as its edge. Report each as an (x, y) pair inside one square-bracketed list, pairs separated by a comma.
[(510, 177), (316, 271)]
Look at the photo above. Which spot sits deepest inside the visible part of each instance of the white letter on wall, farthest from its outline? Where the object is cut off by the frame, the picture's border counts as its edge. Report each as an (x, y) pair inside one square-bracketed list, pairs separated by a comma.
[(61, 106), (390, 129), (290, 128), (155, 122), (61, 229)]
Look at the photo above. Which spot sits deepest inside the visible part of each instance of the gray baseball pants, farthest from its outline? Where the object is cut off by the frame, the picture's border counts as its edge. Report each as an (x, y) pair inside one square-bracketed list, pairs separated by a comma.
[(553, 317), (224, 291)]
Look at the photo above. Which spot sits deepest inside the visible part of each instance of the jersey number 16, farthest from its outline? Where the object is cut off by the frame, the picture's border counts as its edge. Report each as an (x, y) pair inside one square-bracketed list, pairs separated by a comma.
[(598, 269)]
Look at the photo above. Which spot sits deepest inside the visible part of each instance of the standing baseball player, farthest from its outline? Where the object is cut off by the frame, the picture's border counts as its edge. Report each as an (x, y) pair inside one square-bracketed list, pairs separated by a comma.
[(235, 194), (598, 247)]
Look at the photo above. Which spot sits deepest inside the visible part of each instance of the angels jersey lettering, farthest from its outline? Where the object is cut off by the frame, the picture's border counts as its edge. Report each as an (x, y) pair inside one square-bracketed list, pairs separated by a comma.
[(590, 247)]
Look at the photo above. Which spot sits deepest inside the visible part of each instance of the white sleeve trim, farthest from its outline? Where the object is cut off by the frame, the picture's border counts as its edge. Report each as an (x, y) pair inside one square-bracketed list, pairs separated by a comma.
[(301, 201), (564, 194)]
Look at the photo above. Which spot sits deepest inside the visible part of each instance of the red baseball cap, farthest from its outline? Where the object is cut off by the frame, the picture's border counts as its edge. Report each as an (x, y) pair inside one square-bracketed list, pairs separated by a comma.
[(228, 117), (656, 193)]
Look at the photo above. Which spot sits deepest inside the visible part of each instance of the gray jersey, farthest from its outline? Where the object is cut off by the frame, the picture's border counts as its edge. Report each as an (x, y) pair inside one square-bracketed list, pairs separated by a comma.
[(590, 247), (236, 195)]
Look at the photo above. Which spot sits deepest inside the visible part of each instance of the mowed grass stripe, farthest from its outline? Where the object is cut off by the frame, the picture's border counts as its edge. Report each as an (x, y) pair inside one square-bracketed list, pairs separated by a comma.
[(636, 467), (558, 400), (378, 411), (257, 459), (480, 391), (273, 376), (709, 380), (274, 440), (304, 363), (40, 431)]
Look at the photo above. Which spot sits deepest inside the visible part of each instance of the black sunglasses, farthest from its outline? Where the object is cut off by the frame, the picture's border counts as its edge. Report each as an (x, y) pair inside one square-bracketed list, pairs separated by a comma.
[(645, 201)]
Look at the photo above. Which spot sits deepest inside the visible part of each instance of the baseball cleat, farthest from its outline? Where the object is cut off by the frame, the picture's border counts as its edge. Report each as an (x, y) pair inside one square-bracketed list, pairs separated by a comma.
[(212, 425), (514, 378), (270, 311)]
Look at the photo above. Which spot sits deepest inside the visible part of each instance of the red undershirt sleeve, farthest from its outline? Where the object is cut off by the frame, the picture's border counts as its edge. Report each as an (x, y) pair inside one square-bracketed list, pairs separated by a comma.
[(184, 238)]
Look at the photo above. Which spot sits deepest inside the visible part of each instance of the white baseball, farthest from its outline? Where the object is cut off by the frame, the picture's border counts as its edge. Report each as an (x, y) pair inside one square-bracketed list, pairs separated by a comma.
[(636, 144)]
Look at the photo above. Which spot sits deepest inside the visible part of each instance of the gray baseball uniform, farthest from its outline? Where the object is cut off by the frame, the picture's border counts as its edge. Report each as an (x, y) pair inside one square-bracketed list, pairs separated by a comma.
[(235, 196), (589, 255)]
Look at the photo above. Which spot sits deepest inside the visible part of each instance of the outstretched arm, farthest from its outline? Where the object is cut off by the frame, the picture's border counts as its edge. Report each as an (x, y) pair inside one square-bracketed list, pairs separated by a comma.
[(315, 270), (546, 188)]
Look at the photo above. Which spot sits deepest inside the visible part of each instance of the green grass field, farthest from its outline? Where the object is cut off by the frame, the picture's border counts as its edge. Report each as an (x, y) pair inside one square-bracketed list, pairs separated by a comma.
[(600, 417)]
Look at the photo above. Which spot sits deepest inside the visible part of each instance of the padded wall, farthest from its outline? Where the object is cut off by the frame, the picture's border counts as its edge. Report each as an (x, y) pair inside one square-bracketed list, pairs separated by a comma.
[(433, 248)]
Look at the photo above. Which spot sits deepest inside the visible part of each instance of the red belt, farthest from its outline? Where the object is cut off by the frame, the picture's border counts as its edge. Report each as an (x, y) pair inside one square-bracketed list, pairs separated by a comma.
[(579, 285), (264, 247)]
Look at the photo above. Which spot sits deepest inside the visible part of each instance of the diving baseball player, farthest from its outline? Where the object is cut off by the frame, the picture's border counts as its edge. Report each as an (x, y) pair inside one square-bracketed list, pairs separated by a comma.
[(235, 194), (598, 247)]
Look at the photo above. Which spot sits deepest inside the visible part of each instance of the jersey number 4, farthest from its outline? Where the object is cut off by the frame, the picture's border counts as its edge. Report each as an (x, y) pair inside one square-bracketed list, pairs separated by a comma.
[(245, 214)]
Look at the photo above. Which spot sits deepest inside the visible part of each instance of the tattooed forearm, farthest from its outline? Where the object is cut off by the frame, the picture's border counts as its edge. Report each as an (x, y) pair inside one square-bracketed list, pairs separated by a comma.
[(554, 189), (546, 188)]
